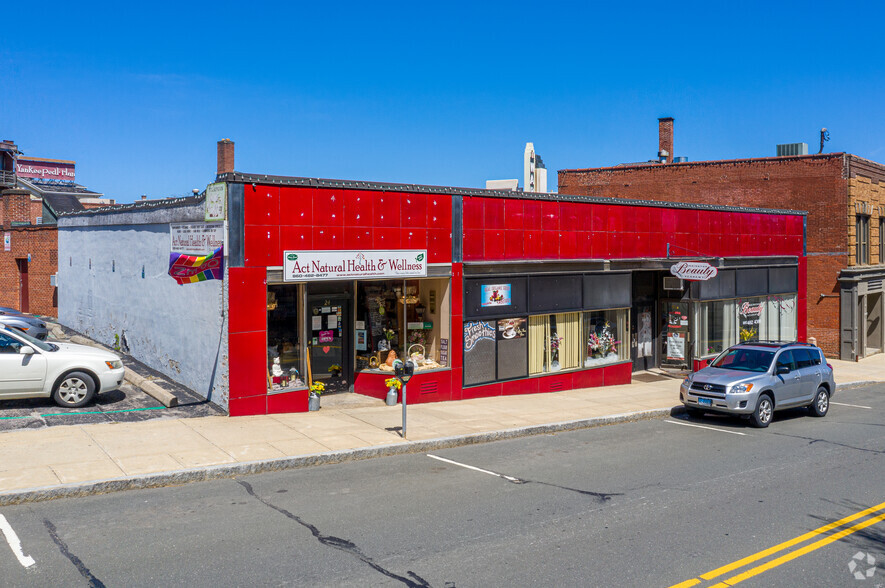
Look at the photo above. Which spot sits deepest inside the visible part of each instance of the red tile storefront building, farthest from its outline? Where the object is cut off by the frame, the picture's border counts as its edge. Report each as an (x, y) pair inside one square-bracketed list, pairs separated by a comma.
[(523, 293), (846, 212)]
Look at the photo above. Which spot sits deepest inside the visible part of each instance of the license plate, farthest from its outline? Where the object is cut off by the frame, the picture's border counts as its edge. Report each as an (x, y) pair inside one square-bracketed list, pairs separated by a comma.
[(705, 401)]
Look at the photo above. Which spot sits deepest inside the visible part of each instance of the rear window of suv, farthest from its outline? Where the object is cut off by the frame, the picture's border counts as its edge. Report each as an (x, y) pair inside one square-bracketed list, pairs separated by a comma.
[(745, 360)]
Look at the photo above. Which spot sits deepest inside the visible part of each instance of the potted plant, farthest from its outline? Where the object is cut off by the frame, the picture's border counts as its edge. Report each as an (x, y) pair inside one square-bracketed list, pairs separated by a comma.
[(313, 401), (393, 387), (335, 370)]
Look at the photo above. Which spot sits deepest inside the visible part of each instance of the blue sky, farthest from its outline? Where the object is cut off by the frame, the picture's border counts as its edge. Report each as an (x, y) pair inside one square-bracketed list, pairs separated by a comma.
[(444, 94)]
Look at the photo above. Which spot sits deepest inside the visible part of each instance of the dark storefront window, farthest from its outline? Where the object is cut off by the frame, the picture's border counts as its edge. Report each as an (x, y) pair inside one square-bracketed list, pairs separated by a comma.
[(881, 240)]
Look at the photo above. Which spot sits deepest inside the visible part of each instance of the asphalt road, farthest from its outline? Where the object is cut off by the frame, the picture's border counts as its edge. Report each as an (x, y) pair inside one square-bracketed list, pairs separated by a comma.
[(651, 503)]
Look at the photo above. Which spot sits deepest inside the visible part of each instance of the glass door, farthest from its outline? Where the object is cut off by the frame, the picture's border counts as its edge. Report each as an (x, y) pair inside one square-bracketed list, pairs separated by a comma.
[(329, 342), (676, 352)]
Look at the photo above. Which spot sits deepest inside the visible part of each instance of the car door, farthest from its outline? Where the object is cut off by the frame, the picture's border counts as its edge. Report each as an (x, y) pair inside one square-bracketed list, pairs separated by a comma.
[(809, 373), (19, 373), (788, 388)]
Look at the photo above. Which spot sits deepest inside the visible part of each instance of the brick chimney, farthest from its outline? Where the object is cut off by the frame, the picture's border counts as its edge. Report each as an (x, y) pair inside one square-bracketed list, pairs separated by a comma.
[(225, 156), (15, 207), (665, 139)]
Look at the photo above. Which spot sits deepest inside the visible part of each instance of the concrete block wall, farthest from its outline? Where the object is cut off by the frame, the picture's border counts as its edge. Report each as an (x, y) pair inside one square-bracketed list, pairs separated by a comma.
[(114, 284)]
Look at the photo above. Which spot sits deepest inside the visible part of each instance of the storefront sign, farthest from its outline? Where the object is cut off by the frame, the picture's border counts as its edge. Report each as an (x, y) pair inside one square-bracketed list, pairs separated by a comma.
[(338, 265), (326, 336), (750, 319), (7, 241), (495, 295), (216, 200), (477, 331), (196, 238), (45, 169), (694, 270)]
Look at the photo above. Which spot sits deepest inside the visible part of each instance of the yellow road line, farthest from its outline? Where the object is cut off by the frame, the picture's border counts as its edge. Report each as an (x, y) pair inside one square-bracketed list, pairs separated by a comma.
[(779, 547), (800, 552)]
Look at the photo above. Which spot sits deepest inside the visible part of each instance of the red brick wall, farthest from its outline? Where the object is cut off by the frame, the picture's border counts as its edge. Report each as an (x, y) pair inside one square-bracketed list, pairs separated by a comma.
[(815, 183), (42, 243)]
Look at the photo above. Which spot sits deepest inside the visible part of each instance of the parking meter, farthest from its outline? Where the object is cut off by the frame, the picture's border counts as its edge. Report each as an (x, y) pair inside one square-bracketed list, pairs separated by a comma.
[(404, 373)]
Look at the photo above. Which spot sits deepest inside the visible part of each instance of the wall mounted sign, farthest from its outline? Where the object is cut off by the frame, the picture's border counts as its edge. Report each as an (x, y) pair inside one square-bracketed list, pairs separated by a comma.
[(477, 331), (356, 264), (694, 270), (216, 201), (196, 238), (495, 295), (326, 336), (7, 241)]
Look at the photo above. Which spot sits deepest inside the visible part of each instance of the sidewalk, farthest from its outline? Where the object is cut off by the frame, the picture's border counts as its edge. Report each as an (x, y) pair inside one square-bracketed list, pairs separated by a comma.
[(95, 458)]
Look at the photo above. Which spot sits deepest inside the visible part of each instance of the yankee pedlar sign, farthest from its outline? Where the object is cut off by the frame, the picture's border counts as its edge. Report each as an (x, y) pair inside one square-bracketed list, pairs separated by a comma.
[(349, 265), (694, 270)]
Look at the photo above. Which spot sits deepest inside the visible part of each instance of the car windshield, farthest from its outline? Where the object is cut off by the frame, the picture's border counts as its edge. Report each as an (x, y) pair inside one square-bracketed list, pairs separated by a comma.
[(745, 360), (35, 342)]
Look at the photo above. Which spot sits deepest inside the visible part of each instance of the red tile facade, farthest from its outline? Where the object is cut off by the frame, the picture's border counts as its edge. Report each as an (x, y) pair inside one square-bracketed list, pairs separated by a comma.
[(495, 228)]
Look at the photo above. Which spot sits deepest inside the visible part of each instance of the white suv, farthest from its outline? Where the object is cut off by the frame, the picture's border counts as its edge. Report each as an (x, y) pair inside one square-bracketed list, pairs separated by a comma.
[(70, 374)]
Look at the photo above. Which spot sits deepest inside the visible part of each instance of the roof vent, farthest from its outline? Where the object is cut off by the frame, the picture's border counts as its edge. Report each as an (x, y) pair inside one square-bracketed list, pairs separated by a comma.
[(788, 149), (680, 159)]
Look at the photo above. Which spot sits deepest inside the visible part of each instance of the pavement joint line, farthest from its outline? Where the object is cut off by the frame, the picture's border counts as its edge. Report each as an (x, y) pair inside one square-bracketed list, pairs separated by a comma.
[(226, 471)]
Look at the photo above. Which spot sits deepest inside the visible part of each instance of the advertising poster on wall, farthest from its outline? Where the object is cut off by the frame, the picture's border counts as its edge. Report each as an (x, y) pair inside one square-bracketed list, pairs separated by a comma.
[(644, 333), (479, 352), (7, 241), (196, 238), (495, 295)]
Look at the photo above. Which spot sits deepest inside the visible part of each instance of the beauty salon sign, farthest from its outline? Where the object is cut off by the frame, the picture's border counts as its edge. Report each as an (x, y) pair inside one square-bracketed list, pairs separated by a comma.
[(694, 270)]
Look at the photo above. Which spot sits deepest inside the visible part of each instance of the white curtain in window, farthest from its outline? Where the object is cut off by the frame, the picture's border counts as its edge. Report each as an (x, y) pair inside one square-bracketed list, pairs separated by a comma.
[(539, 334)]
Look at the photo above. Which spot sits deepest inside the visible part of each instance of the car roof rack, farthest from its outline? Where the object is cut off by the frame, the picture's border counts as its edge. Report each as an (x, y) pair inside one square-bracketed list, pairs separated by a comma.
[(775, 343)]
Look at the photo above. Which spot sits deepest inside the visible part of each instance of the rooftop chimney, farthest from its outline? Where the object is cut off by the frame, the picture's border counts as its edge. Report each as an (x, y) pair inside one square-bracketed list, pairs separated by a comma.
[(225, 156), (665, 139)]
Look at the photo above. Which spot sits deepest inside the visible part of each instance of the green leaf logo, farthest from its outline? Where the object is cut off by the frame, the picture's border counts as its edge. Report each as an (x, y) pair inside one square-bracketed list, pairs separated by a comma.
[(420, 257), (291, 257)]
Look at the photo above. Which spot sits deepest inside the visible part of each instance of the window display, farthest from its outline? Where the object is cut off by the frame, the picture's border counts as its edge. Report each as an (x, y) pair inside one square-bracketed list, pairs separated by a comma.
[(284, 349), (605, 331), (716, 324), (397, 319)]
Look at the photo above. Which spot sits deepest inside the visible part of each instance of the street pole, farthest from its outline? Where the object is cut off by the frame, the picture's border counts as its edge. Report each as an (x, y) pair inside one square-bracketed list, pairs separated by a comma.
[(404, 411)]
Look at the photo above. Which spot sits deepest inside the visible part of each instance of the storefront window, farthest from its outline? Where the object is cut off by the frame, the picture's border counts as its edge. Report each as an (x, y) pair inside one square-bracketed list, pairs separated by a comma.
[(555, 342), (751, 322), (716, 324), (605, 332), (782, 317), (398, 319), (284, 348)]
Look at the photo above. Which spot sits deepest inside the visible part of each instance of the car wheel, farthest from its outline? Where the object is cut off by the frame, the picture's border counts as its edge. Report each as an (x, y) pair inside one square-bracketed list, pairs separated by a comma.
[(761, 417), (74, 390), (821, 403), (694, 413)]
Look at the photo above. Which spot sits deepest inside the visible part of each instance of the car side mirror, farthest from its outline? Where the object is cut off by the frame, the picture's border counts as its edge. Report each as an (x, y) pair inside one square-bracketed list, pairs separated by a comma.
[(25, 350), (783, 369)]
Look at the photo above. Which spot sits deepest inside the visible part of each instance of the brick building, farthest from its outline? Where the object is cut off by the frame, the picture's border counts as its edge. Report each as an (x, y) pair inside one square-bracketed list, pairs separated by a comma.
[(845, 198)]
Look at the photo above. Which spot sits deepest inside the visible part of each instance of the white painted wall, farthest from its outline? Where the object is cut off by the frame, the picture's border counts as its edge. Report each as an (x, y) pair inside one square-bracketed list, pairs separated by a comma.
[(113, 281)]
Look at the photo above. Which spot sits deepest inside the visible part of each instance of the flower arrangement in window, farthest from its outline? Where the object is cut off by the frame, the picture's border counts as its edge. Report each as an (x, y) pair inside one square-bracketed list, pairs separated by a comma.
[(601, 345), (335, 370), (555, 342)]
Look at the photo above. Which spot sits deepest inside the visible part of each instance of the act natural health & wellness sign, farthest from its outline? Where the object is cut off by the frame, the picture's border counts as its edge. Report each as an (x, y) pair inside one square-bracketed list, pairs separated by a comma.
[(351, 265)]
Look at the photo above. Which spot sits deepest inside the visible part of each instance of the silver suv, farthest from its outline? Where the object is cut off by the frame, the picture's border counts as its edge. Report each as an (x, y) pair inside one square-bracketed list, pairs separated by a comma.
[(755, 379)]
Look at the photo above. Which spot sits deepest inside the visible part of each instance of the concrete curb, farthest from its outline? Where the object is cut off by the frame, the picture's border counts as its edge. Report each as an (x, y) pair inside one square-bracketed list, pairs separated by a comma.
[(178, 477)]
